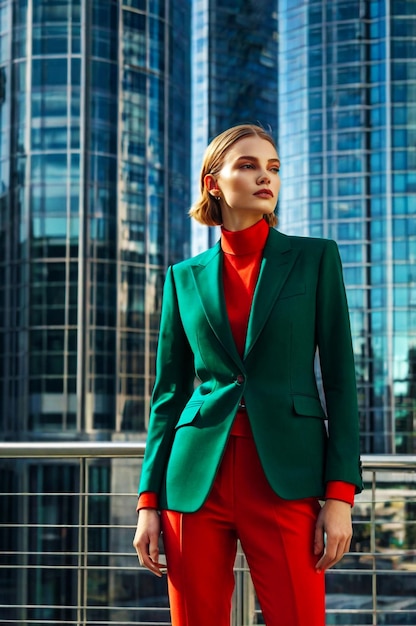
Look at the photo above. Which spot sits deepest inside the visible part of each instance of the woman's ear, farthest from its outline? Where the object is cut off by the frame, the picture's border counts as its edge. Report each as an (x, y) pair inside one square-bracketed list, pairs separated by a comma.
[(210, 184)]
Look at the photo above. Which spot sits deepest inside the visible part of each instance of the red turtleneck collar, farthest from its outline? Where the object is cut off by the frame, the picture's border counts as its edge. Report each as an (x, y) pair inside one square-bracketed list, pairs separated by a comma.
[(246, 241)]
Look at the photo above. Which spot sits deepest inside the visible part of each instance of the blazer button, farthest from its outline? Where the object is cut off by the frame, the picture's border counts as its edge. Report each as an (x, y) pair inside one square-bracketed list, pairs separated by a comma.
[(239, 379)]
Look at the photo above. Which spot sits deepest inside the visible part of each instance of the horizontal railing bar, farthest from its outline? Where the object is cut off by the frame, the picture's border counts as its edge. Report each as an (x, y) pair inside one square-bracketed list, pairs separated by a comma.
[(68, 622), (365, 497), (55, 622), (71, 449), (376, 555), (133, 568), (129, 449), (164, 609), (65, 494), (375, 462), (379, 522), (100, 607), (370, 611), (57, 526)]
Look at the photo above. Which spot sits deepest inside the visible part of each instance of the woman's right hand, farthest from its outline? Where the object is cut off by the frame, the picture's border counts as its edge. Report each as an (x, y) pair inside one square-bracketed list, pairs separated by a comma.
[(146, 540)]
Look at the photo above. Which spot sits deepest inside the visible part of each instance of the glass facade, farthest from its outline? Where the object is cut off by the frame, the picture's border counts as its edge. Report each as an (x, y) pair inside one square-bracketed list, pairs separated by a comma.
[(347, 133), (234, 78), (94, 155)]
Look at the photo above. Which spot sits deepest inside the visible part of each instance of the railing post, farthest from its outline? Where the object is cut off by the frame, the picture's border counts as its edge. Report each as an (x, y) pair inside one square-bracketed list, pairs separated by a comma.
[(373, 549), (82, 545), (23, 544)]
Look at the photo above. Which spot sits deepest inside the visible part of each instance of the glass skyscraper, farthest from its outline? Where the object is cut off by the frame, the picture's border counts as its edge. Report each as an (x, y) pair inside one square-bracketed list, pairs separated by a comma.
[(94, 192), (347, 138), (95, 146), (234, 77)]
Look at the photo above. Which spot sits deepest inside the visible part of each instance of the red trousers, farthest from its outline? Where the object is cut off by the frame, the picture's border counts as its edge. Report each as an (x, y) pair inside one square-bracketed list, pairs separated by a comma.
[(276, 536)]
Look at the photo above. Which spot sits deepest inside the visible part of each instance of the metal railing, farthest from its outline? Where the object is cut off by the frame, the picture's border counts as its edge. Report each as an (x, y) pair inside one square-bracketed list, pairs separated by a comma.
[(66, 527)]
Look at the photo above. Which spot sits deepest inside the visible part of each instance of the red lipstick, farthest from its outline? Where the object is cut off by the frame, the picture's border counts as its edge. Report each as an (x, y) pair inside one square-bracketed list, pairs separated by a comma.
[(264, 193)]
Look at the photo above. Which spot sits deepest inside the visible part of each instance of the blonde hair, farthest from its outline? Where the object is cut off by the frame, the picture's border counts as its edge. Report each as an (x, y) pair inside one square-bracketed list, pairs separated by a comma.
[(206, 209)]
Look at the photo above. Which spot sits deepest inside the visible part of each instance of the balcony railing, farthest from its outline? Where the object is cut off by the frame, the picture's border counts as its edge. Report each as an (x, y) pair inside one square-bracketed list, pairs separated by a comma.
[(67, 521)]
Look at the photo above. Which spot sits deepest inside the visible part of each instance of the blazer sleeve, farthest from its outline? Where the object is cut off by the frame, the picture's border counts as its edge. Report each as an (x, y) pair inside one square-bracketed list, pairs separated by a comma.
[(173, 387), (338, 371)]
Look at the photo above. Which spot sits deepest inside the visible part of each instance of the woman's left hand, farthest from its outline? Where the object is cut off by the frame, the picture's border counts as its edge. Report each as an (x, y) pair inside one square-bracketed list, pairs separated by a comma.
[(333, 533)]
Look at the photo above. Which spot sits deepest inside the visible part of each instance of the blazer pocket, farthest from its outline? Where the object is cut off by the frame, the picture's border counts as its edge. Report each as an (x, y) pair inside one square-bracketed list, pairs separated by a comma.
[(290, 291), (189, 413), (309, 406)]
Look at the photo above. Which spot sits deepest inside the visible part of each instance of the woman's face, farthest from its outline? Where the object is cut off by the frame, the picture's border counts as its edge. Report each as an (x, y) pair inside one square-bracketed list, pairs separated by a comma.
[(248, 183)]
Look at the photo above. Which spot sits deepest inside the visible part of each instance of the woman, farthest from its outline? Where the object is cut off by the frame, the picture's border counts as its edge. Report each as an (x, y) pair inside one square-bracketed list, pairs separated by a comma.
[(245, 454)]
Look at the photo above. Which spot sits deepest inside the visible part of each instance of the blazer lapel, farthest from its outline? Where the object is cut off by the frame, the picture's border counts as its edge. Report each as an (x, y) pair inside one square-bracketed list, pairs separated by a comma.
[(209, 283), (278, 260)]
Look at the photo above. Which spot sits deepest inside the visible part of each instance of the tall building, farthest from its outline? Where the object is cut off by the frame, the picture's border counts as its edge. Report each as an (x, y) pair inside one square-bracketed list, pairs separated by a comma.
[(347, 137), (234, 78), (94, 191), (94, 170)]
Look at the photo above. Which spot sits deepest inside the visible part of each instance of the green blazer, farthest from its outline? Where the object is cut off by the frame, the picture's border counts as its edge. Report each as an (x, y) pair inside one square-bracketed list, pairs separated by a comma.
[(299, 307)]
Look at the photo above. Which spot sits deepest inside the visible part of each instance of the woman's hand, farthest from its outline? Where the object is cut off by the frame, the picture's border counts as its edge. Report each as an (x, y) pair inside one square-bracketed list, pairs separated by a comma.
[(334, 521), (146, 540)]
